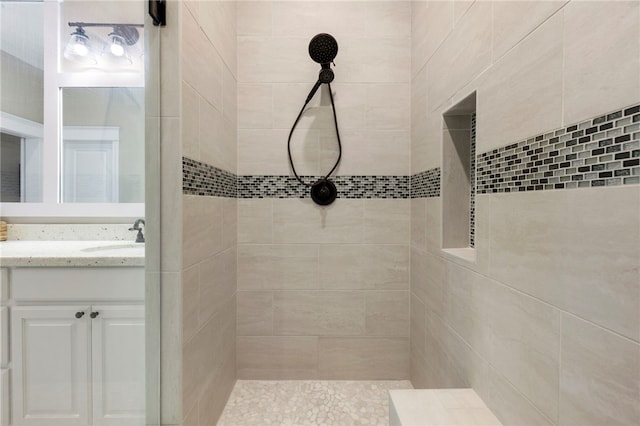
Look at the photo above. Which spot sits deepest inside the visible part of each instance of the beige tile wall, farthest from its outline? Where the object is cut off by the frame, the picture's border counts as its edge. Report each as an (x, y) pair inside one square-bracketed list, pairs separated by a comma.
[(323, 292), (209, 224), (334, 280), (371, 87), (544, 325), (199, 234)]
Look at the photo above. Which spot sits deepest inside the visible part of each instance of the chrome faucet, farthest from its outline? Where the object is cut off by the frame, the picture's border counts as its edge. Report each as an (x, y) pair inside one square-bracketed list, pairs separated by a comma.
[(136, 227)]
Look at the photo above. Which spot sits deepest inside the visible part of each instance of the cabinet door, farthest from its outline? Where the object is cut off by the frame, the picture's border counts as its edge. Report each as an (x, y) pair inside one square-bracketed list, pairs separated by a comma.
[(50, 372), (118, 354)]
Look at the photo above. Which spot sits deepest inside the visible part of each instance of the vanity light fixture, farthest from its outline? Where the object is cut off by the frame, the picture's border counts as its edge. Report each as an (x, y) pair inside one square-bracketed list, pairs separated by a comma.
[(121, 37)]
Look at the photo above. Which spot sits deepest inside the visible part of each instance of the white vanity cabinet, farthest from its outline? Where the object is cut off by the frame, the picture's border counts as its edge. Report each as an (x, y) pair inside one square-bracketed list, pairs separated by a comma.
[(77, 346), (50, 365)]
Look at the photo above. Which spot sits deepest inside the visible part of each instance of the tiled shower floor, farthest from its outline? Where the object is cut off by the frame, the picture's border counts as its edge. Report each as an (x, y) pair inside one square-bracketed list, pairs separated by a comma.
[(309, 402)]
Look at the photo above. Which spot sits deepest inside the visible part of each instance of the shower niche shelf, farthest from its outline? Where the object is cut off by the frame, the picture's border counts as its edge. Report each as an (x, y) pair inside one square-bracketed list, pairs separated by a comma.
[(458, 179)]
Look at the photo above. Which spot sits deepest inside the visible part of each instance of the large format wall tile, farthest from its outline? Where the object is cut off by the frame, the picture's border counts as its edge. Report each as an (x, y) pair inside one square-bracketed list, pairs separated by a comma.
[(255, 313), (255, 221), (523, 96), (469, 306), (363, 358), (361, 60), (364, 267), (387, 313), (190, 122), (599, 376), (206, 352), (368, 152), (465, 368), (463, 55), (526, 339), (190, 298), (309, 18), (301, 221), (218, 22), (229, 223), (273, 358), (317, 313), (508, 26), (387, 221), (419, 223), (557, 255), (418, 346), (274, 60), (217, 283), (387, 18), (510, 405), (255, 102), (431, 24), (271, 267), (601, 66), (289, 98), (199, 54), (254, 18), (428, 281), (201, 228), (264, 152)]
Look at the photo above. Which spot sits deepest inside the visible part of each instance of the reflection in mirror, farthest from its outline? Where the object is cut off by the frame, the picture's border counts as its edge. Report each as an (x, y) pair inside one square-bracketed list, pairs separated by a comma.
[(20, 168), (9, 168), (21, 101), (103, 145)]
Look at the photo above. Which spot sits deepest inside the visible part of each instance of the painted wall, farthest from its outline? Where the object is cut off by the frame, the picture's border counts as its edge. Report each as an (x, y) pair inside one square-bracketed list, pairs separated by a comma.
[(323, 292), (22, 87), (545, 324)]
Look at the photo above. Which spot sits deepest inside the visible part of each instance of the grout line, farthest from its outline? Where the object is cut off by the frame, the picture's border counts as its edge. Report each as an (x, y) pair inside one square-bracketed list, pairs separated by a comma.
[(563, 50), (533, 30), (523, 293)]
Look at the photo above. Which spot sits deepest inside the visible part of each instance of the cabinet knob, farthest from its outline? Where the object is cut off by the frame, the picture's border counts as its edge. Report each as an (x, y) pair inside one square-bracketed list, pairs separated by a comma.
[(79, 314), (94, 314)]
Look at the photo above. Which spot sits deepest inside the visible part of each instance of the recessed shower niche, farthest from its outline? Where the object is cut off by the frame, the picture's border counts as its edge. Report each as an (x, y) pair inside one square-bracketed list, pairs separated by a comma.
[(458, 178)]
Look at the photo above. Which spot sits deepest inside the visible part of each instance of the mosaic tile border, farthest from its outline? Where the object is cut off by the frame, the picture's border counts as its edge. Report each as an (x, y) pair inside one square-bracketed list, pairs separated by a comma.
[(263, 186), (603, 151), (205, 180), (426, 184)]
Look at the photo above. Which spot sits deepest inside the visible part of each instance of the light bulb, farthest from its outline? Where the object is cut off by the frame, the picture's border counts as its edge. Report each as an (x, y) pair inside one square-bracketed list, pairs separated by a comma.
[(80, 49), (117, 45), (79, 43)]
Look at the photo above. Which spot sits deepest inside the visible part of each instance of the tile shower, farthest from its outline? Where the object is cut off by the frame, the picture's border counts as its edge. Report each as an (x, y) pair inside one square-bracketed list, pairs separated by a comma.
[(270, 286)]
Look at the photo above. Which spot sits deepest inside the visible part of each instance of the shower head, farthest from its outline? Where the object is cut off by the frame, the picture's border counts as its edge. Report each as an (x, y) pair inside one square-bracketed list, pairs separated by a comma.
[(323, 48)]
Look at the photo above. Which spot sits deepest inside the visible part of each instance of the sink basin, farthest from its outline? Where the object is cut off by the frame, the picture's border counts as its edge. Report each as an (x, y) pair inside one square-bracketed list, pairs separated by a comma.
[(114, 247)]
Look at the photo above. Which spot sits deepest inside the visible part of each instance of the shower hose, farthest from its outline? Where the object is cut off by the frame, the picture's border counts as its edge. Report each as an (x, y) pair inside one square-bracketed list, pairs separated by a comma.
[(335, 122)]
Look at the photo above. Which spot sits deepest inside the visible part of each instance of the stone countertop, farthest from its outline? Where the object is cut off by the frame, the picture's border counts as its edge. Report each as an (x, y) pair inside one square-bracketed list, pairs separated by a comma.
[(71, 253)]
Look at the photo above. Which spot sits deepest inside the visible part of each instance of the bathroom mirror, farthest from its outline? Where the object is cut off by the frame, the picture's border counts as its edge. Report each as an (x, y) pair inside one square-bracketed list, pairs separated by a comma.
[(21, 100), (72, 130), (102, 145)]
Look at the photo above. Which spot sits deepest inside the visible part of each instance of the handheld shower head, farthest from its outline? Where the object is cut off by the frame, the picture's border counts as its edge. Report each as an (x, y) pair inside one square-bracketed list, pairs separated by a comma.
[(323, 48)]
